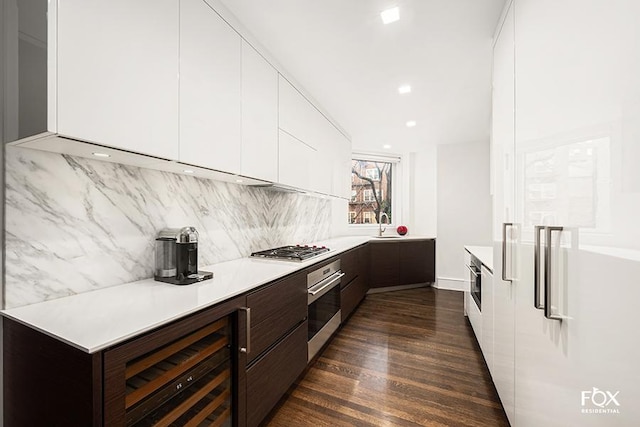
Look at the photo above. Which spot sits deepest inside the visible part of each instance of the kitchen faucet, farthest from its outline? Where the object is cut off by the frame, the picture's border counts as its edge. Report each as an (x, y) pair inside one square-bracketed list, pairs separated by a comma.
[(380, 229)]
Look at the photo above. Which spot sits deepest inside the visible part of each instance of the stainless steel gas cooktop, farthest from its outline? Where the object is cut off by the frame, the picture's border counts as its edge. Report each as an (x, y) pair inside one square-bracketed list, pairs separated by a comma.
[(292, 253)]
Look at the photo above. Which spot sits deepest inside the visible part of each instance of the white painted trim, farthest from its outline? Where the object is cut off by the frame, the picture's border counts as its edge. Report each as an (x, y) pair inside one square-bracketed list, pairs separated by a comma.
[(500, 24), (451, 284), (397, 288)]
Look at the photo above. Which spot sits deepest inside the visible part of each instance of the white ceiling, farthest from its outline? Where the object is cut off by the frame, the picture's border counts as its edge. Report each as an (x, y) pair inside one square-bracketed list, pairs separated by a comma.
[(352, 64)]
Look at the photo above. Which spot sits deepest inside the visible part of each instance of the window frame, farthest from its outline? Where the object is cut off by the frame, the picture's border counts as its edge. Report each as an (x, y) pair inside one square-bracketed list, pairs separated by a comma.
[(396, 194)]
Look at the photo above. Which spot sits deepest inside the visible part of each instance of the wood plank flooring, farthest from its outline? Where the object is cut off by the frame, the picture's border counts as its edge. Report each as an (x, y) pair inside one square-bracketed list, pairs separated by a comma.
[(405, 358)]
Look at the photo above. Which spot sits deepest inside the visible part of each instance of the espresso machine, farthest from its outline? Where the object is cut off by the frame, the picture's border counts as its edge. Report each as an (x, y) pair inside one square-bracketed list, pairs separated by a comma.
[(177, 257)]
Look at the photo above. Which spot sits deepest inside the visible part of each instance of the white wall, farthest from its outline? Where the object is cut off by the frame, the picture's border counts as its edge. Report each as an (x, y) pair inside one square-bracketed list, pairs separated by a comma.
[(422, 213), (463, 206)]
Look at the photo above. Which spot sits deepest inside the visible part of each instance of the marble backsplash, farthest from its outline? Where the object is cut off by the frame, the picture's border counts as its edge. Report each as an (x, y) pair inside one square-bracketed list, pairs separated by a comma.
[(74, 225)]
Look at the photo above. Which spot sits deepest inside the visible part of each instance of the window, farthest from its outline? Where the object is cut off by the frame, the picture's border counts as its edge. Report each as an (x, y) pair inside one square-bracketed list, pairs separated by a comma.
[(352, 217), (371, 190), (373, 173)]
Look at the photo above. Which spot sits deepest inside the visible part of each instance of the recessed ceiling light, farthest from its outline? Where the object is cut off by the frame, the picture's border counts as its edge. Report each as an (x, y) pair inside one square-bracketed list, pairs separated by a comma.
[(387, 146), (404, 89), (411, 123), (187, 171), (390, 15), (239, 180), (101, 154)]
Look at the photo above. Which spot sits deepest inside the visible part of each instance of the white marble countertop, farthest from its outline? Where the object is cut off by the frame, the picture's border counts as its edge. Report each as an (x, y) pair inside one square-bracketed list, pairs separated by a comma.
[(483, 253), (93, 321)]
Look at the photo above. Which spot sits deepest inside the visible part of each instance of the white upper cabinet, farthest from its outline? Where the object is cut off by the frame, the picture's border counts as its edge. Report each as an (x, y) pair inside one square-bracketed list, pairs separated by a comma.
[(297, 116), (210, 89), (117, 74), (259, 116), (295, 159)]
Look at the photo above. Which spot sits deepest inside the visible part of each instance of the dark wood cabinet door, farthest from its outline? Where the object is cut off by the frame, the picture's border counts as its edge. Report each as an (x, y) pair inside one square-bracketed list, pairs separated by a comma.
[(350, 266), (351, 295), (417, 262), (385, 269), (364, 262), (275, 310), (272, 375), (48, 382)]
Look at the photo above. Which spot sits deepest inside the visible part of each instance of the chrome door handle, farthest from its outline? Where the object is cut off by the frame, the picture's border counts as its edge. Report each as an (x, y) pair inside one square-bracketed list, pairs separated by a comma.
[(321, 288), (536, 267), (547, 276), (504, 250), (247, 349)]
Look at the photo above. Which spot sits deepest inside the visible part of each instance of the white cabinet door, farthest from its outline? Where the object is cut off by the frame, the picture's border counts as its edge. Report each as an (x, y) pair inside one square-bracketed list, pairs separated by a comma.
[(502, 150), (297, 116), (487, 317), (340, 160), (118, 74), (577, 127), (475, 317), (210, 89), (294, 159), (259, 116)]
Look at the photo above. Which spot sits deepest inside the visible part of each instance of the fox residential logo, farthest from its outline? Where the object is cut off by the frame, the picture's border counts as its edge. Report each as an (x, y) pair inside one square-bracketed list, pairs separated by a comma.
[(596, 401)]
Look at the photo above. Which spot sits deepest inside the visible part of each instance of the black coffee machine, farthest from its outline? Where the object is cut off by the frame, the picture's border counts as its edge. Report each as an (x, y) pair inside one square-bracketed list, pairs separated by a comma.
[(177, 257)]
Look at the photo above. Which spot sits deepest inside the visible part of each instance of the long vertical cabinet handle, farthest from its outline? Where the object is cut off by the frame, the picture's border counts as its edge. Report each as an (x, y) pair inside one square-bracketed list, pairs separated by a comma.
[(247, 349), (504, 250), (536, 267), (547, 276)]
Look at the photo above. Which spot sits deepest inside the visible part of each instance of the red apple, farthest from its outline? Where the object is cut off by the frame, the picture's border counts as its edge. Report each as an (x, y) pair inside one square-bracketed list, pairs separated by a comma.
[(402, 230)]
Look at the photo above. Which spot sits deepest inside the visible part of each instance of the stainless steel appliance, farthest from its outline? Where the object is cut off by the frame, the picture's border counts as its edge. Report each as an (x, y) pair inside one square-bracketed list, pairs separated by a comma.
[(177, 257), (324, 313), (292, 253), (475, 271)]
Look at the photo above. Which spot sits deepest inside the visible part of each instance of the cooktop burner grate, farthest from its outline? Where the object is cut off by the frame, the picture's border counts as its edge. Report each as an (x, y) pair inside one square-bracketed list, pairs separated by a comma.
[(295, 253)]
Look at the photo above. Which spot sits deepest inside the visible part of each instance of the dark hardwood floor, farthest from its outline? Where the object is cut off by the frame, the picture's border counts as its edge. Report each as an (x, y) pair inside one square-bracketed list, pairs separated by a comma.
[(405, 358)]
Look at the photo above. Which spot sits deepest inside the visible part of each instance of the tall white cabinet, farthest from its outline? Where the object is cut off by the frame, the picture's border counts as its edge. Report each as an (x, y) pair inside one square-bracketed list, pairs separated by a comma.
[(502, 150), (577, 129)]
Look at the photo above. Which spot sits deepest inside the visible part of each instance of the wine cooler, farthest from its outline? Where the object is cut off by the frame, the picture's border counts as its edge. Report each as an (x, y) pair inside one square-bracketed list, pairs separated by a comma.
[(184, 383)]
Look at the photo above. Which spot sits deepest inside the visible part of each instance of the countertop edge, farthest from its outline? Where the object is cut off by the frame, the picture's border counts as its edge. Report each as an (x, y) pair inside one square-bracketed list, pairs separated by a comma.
[(24, 314)]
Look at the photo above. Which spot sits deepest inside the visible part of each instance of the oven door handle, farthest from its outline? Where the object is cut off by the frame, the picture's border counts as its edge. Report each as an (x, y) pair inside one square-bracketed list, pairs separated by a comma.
[(316, 291), (472, 270)]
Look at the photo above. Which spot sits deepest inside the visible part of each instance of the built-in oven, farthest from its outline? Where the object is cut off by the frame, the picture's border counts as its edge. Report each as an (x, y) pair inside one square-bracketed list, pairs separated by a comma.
[(324, 316), (475, 273)]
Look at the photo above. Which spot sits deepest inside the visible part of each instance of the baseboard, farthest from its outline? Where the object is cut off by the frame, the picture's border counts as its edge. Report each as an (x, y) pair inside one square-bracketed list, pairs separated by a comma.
[(451, 284), (397, 288)]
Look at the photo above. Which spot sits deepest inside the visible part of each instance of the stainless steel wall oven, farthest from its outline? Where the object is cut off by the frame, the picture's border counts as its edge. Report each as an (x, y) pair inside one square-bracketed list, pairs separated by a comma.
[(323, 301), (475, 272)]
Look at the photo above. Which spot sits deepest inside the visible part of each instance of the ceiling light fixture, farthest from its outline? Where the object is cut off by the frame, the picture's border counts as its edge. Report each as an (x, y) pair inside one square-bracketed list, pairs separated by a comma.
[(411, 123), (101, 154), (239, 180), (387, 146), (390, 15), (404, 89), (187, 171)]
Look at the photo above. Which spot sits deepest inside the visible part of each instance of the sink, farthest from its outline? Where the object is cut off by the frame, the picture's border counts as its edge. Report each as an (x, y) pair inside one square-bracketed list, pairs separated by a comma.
[(388, 237)]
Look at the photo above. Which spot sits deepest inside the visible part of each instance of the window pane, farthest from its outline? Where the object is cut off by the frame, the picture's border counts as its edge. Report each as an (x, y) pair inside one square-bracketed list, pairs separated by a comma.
[(370, 191)]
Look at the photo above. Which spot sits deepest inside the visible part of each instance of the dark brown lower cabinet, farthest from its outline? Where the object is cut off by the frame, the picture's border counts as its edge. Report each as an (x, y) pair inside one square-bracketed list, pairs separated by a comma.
[(186, 373), (402, 262), (271, 376), (351, 295), (48, 382)]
